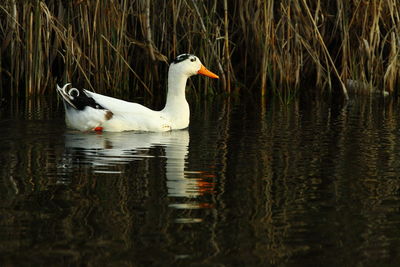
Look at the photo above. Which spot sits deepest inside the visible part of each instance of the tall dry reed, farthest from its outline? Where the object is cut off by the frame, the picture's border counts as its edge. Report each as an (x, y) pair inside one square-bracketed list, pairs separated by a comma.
[(267, 47)]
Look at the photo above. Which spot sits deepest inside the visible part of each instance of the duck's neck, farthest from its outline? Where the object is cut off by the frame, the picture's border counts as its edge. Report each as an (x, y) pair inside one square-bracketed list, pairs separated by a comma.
[(176, 107)]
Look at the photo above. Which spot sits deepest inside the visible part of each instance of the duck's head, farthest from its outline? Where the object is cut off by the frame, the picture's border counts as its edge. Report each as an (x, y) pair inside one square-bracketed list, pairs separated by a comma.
[(189, 65)]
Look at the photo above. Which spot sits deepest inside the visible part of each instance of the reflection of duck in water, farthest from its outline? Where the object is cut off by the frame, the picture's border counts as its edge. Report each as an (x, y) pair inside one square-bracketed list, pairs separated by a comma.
[(87, 111), (105, 150)]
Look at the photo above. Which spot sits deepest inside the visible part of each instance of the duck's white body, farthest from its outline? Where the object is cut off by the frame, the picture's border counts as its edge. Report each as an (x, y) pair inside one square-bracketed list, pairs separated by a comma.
[(87, 111)]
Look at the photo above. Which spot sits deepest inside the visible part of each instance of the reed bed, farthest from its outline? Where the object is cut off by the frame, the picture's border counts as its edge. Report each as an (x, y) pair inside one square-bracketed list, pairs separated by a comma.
[(266, 47)]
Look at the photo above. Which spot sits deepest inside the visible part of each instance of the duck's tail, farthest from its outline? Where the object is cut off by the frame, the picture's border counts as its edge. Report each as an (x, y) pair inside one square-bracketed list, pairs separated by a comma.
[(77, 98), (82, 111), (65, 94)]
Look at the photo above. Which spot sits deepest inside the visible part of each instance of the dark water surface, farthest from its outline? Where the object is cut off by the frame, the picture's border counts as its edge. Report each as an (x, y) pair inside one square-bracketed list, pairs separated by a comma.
[(248, 184)]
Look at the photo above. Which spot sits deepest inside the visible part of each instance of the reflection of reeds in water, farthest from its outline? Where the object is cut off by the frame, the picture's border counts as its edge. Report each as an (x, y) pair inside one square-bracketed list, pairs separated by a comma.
[(278, 177), (276, 46), (307, 174)]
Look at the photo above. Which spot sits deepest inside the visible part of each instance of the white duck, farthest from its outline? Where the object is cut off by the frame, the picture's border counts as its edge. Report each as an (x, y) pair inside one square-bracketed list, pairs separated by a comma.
[(86, 111)]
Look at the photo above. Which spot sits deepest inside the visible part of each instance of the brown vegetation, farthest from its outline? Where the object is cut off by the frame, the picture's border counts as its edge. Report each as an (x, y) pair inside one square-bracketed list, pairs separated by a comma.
[(263, 46)]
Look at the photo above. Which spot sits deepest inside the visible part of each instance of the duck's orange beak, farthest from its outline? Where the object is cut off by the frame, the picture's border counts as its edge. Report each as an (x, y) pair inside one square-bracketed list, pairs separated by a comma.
[(204, 71)]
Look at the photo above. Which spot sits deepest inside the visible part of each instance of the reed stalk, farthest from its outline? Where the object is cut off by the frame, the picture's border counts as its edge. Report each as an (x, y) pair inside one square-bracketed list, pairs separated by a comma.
[(226, 47), (325, 49)]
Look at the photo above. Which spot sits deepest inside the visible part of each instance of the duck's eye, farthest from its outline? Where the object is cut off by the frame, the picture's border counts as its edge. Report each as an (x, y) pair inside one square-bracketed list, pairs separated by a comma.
[(193, 59)]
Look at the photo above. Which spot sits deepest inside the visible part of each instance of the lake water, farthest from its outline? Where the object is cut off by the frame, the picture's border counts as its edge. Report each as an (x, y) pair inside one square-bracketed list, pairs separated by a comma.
[(250, 183)]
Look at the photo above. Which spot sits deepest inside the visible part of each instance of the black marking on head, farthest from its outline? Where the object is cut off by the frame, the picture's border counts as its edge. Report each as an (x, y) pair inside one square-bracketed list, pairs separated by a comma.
[(182, 57)]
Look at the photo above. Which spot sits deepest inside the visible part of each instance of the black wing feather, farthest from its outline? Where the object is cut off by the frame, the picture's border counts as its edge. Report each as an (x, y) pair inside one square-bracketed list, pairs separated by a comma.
[(77, 98)]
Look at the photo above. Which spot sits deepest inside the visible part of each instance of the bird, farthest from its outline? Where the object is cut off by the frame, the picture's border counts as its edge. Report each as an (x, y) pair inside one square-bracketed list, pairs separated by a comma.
[(89, 111)]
